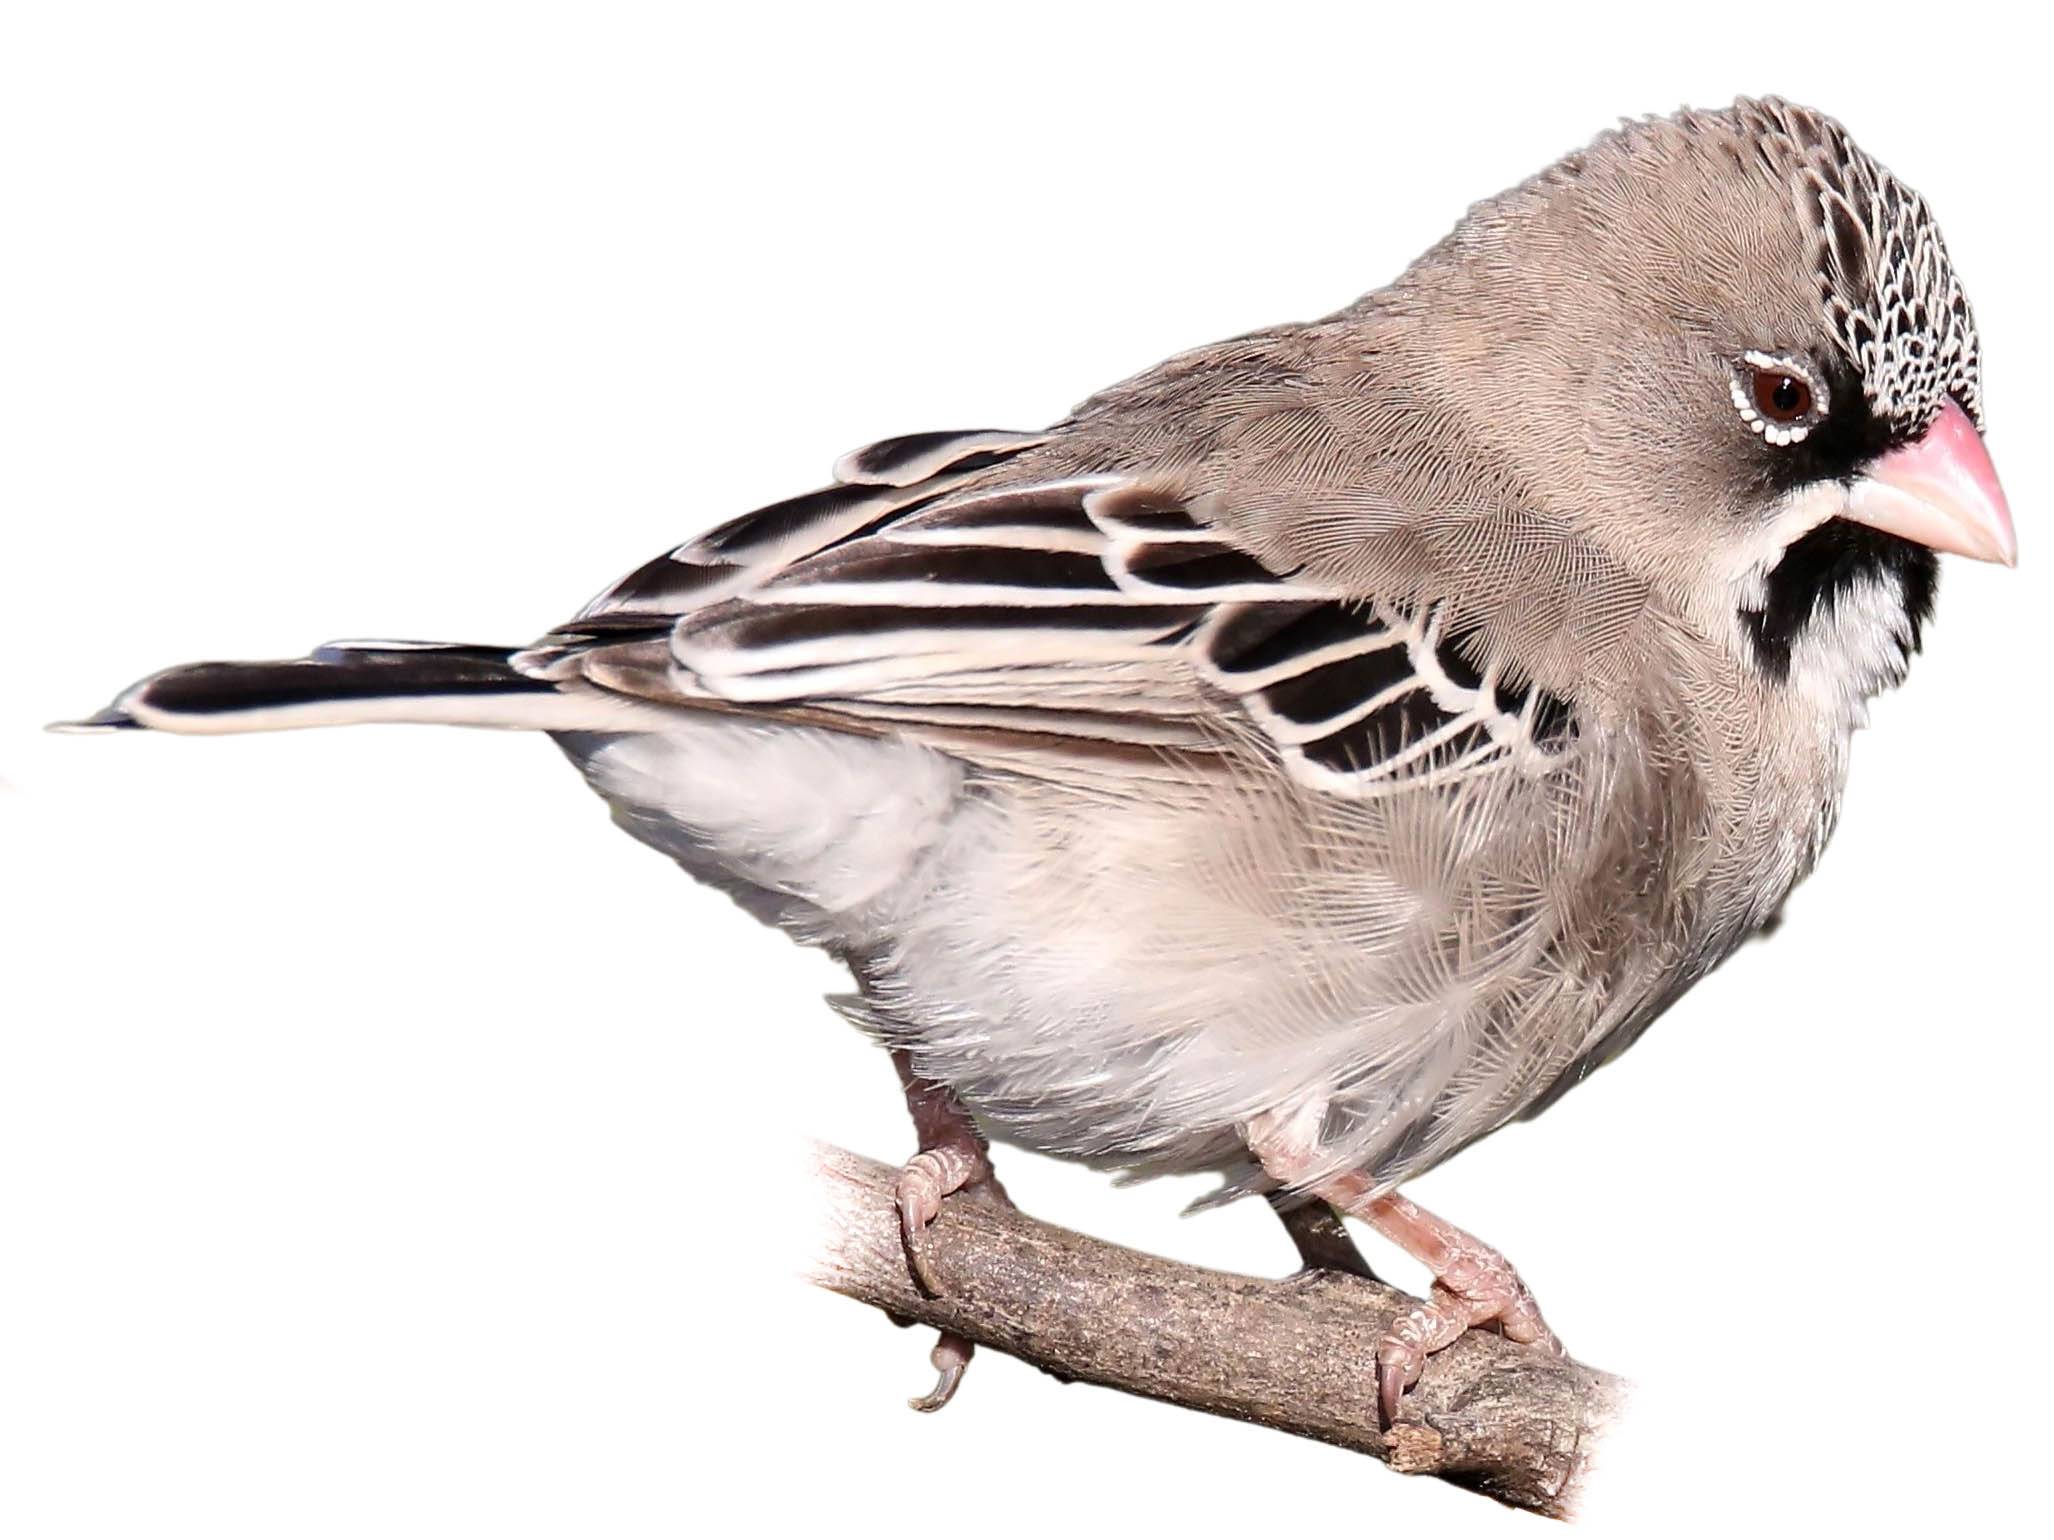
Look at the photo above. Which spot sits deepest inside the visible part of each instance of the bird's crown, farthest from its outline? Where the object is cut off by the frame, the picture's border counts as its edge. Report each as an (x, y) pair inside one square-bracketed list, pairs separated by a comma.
[(1890, 296)]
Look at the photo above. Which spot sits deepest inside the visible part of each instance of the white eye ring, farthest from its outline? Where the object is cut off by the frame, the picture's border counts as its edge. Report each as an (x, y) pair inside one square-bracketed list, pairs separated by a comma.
[(1753, 364)]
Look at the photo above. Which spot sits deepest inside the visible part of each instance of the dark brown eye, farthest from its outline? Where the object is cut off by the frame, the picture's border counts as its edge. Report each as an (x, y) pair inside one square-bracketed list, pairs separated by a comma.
[(1780, 397), (1777, 397)]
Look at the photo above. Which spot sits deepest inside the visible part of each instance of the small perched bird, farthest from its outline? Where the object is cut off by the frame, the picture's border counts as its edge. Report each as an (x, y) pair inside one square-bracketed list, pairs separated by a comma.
[(1332, 743)]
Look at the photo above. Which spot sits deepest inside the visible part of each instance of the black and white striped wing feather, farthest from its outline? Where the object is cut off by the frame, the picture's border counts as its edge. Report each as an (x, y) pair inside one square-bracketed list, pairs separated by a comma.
[(928, 590), (1360, 696)]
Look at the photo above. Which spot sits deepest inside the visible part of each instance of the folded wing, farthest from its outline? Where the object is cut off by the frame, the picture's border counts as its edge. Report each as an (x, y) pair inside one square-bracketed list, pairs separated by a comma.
[(937, 591)]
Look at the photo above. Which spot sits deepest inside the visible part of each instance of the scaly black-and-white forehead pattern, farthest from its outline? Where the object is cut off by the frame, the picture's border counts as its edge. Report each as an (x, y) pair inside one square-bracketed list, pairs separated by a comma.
[(1891, 299)]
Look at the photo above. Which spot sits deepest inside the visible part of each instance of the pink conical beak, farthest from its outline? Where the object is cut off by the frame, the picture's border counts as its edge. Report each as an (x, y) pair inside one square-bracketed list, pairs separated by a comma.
[(1940, 490)]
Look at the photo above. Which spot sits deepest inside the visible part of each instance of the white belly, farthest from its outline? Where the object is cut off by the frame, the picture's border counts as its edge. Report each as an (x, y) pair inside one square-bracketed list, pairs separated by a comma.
[(1123, 980)]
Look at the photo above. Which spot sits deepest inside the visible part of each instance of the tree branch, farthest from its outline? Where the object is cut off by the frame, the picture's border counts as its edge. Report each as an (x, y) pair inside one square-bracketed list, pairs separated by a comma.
[(1297, 1354)]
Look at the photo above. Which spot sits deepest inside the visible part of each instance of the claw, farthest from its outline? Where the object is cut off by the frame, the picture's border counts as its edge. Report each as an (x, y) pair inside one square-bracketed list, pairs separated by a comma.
[(915, 1239), (1391, 1383), (916, 1263), (951, 1356)]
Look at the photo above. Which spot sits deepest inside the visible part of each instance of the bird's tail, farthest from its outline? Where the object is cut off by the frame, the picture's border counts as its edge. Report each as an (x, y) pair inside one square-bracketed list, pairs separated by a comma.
[(348, 682)]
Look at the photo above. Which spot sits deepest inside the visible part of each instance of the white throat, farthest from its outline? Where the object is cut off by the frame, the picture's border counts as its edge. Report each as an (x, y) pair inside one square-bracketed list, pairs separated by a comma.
[(1857, 639)]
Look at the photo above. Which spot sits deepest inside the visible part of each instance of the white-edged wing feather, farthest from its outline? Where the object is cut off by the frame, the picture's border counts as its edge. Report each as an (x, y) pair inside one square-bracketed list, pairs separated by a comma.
[(934, 590)]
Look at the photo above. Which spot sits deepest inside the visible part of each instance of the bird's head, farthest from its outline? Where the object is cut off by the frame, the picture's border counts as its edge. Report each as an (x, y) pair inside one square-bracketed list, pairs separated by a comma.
[(1757, 374)]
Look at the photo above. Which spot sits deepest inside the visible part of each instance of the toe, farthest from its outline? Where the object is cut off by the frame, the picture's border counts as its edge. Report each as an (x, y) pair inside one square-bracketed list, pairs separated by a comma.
[(924, 1181), (951, 1356), (919, 1195), (1510, 1305), (1415, 1336), (918, 1192)]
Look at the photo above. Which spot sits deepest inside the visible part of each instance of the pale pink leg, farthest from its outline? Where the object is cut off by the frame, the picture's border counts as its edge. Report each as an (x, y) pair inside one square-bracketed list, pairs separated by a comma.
[(1473, 1284), (953, 1157)]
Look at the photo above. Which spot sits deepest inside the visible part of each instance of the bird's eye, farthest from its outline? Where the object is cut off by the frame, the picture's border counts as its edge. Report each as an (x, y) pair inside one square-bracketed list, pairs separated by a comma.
[(1777, 397), (1781, 397)]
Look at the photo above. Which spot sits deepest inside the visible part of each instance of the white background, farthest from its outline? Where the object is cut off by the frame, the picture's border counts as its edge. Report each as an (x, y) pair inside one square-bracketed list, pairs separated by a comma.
[(387, 1146)]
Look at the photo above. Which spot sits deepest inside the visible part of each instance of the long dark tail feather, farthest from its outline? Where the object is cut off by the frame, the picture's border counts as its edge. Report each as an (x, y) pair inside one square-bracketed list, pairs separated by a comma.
[(347, 682)]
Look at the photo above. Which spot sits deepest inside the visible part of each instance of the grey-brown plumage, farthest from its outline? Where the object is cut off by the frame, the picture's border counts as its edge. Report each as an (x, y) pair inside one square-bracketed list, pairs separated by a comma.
[(1333, 742)]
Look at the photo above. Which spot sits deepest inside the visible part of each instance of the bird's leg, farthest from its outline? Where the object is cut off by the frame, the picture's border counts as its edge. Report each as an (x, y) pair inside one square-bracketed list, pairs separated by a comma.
[(1473, 1284), (953, 1157), (1323, 1242)]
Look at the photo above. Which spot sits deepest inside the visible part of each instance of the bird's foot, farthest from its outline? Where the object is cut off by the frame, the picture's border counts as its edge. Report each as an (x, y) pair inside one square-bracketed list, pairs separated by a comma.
[(1473, 1283), (953, 1158), (1473, 1286), (957, 1164), (932, 1175)]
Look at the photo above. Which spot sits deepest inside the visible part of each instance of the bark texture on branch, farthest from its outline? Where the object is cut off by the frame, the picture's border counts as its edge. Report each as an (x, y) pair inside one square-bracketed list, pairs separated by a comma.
[(1296, 1354)]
